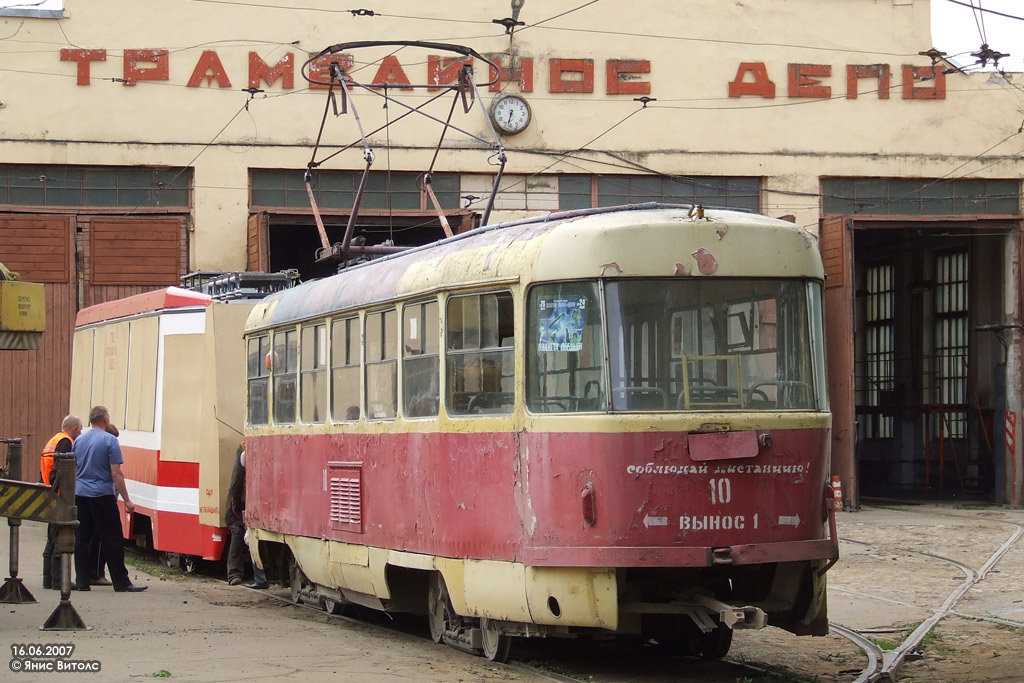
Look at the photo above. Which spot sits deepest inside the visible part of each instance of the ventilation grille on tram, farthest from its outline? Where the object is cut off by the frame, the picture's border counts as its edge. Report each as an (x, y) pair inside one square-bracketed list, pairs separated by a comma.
[(346, 499)]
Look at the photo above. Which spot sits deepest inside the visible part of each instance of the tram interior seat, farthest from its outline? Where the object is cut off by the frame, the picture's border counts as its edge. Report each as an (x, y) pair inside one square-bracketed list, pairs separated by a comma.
[(641, 398), (706, 390), (491, 402)]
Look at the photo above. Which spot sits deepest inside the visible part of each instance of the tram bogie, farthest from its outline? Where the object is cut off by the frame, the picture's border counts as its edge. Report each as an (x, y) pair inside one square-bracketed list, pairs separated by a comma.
[(605, 422)]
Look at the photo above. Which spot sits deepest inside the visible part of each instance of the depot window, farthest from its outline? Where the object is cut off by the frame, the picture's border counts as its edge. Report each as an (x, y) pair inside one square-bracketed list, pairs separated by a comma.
[(284, 370), (420, 360), (382, 365), (314, 373), (480, 347), (95, 186), (732, 192), (258, 379)]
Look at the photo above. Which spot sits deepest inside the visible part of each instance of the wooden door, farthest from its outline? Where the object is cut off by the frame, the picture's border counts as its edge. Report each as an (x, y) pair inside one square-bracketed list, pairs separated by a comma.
[(836, 244), (34, 385)]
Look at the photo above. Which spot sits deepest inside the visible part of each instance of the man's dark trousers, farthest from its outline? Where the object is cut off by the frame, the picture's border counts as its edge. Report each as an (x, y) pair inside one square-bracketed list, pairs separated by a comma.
[(100, 516)]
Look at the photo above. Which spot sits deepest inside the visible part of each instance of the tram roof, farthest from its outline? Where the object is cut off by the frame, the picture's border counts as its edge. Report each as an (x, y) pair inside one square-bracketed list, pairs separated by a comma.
[(168, 297), (648, 240)]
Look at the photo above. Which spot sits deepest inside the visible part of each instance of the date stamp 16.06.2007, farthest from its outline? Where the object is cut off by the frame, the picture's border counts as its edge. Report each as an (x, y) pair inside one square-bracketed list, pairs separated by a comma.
[(43, 657)]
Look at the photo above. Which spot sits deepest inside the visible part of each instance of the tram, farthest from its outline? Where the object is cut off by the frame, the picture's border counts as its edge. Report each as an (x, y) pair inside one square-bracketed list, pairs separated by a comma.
[(167, 366), (605, 422)]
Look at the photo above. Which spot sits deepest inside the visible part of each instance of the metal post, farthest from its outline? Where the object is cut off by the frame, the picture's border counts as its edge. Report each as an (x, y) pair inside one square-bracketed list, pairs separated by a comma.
[(65, 617), (14, 591)]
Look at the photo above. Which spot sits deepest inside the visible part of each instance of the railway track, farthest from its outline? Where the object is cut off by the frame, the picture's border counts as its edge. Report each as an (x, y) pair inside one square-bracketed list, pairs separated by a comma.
[(882, 665)]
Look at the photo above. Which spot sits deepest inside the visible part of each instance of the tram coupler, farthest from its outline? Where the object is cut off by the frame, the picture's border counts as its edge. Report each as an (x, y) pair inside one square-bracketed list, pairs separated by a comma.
[(65, 617), (14, 592), (732, 616)]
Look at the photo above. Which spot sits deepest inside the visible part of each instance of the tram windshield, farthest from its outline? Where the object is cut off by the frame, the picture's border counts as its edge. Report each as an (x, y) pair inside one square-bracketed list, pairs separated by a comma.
[(695, 344)]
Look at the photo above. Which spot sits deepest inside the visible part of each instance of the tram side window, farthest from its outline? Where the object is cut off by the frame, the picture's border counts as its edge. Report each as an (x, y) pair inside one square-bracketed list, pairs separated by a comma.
[(314, 373), (480, 354), (565, 349), (382, 365), (345, 369), (420, 360), (258, 379), (284, 370)]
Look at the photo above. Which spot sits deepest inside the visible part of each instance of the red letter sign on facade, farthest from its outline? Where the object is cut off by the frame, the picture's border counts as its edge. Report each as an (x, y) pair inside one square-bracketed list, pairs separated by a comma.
[(284, 69), (560, 67), (83, 57), (761, 86), (912, 74), (802, 81), (523, 74), (210, 67), (621, 80), (444, 70), (133, 73), (320, 69), (391, 73), (855, 72)]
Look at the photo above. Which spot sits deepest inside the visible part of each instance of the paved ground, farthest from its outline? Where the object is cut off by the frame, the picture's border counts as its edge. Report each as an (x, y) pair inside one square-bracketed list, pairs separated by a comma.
[(895, 572)]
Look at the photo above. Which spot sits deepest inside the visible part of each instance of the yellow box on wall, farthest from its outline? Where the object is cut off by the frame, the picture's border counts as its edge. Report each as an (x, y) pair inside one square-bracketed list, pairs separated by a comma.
[(22, 307)]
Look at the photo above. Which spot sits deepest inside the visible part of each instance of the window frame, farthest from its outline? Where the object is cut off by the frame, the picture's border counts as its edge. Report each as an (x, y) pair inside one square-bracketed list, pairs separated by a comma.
[(262, 376), (282, 376), (409, 356), (505, 400), (354, 351), (384, 360), (320, 352)]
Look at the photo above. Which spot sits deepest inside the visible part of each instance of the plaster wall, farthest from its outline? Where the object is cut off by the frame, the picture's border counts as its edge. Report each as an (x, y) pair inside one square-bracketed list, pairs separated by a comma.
[(694, 49)]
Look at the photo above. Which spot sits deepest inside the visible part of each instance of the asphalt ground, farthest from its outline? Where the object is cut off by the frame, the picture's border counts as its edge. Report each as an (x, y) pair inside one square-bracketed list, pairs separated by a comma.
[(901, 566)]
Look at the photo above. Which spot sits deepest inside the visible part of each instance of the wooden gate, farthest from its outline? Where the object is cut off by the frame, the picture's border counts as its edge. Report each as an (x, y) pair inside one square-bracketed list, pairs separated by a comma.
[(118, 257), (836, 245), (34, 384)]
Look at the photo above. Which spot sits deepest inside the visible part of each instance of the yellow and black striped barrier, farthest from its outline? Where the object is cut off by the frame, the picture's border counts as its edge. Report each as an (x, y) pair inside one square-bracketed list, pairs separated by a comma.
[(20, 500)]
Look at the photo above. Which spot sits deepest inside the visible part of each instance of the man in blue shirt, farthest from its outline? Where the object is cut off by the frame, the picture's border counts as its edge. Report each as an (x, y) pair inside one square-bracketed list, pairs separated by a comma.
[(99, 480)]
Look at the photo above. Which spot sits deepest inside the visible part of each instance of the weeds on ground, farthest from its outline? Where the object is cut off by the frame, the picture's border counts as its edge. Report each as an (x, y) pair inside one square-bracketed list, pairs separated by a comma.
[(151, 566)]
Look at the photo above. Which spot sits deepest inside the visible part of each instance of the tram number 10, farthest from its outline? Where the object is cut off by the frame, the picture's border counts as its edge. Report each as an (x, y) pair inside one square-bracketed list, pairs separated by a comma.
[(721, 491)]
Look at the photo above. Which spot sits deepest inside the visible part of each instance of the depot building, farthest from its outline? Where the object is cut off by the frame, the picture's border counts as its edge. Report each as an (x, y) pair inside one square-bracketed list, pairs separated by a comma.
[(143, 143)]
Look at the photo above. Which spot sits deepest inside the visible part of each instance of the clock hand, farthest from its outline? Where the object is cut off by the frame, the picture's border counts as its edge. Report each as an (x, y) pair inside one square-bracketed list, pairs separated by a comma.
[(510, 115)]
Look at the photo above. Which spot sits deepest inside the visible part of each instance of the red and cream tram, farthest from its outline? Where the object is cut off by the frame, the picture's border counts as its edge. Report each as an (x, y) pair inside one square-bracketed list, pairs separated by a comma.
[(609, 421)]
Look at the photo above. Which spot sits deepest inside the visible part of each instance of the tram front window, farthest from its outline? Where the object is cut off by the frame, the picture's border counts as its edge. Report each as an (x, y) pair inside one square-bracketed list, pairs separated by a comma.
[(709, 344), (565, 358)]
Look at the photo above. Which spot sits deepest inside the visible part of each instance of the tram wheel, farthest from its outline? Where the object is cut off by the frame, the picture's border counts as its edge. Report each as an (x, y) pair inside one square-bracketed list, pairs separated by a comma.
[(296, 580), (440, 613), (716, 643), (495, 644)]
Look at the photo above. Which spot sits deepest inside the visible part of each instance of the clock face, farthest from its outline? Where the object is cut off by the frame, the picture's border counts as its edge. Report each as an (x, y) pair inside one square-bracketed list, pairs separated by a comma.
[(510, 113)]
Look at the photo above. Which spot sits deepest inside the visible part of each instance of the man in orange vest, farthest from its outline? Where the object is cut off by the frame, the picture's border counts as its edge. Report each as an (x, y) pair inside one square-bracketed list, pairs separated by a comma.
[(62, 441)]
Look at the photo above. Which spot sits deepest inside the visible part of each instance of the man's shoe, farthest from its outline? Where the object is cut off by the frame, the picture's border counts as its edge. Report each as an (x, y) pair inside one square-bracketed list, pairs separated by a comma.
[(74, 586), (102, 581), (130, 588), (258, 586), (81, 588), (234, 580)]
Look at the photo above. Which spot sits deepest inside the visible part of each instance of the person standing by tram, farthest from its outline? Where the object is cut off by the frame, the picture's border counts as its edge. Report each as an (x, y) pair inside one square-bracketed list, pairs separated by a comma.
[(238, 550), (97, 485), (61, 442)]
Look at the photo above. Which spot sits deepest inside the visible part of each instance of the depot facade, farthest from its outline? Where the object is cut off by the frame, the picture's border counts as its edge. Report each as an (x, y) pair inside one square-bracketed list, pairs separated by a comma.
[(140, 146)]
